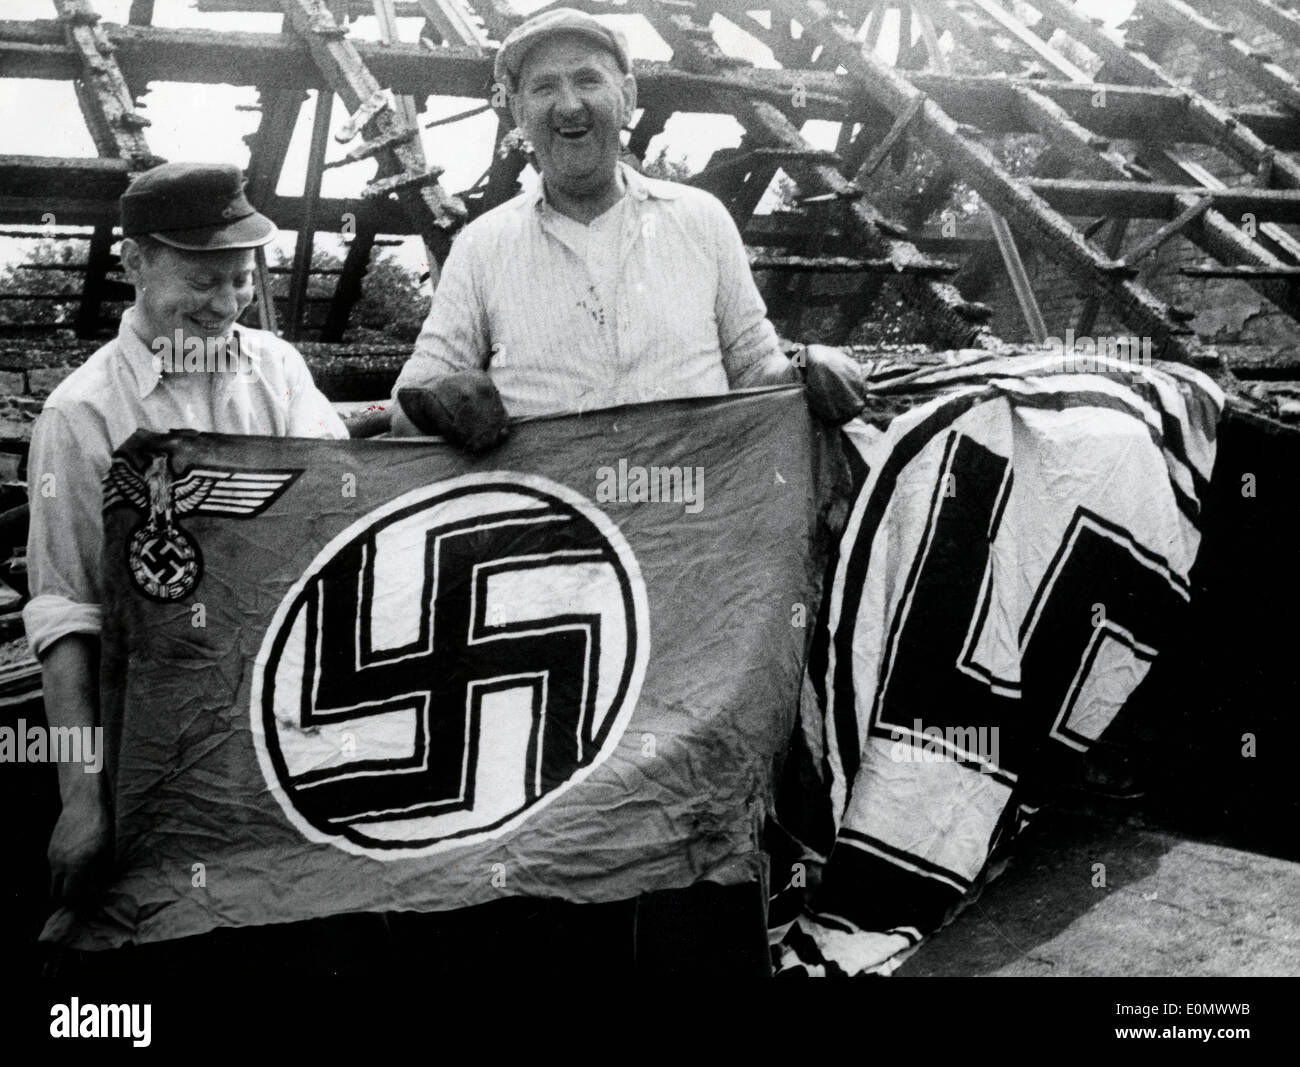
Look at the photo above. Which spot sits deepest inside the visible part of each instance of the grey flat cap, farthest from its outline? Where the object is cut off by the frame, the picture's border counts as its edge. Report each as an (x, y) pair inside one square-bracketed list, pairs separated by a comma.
[(557, 21)]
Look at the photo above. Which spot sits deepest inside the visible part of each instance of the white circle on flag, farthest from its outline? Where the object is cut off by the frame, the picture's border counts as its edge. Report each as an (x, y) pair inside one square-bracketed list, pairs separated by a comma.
[(448, 665)]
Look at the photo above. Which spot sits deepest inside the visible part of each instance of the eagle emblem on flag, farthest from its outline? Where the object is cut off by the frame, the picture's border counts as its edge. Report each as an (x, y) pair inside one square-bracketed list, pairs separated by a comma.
[(164, 560)]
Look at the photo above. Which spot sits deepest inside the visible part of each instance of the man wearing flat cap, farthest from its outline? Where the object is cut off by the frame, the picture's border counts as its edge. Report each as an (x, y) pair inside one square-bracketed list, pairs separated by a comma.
[(178, 361), (601, 286)]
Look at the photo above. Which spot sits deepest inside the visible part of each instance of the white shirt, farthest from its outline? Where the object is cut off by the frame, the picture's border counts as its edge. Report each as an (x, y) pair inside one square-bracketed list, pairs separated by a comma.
[(653, 300), (115, 392)]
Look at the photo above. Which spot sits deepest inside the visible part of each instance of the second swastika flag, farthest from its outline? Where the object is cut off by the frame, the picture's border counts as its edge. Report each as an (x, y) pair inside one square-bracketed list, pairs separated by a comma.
[(385, 675)]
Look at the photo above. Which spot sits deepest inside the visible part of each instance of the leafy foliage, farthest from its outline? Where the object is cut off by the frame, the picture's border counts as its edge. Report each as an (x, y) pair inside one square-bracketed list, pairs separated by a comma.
[(393, 301), (22, 278)]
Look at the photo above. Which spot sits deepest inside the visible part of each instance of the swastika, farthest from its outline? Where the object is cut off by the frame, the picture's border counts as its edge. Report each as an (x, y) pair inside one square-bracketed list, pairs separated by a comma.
[(481, 643)]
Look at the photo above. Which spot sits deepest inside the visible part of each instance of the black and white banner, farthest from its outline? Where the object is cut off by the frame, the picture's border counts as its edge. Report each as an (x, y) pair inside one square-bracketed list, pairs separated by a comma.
[(1017, 551)]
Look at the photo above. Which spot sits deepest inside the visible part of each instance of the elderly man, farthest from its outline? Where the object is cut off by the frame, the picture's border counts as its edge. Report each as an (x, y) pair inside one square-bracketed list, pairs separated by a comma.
[(600, 286)]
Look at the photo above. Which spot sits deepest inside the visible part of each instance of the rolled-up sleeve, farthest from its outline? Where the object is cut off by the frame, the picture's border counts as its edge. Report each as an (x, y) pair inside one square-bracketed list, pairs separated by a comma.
[(64, 477), (455, 335), (751, 352)]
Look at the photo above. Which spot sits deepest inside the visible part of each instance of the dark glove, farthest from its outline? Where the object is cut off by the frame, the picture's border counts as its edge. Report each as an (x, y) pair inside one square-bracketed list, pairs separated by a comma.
[(465, 408), (835, 388)]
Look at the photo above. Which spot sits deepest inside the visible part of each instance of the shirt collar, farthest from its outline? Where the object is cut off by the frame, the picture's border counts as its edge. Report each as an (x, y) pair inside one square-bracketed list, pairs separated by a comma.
[(639, 188), (144, 369), (139, 359)]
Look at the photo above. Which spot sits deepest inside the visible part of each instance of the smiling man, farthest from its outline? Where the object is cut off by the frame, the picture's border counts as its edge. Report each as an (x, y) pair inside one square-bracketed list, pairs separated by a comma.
[(600, 286), (189, 235), (597, 288)]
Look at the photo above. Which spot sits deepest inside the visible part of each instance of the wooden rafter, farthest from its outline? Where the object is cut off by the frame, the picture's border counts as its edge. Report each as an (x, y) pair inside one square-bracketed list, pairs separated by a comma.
[(1283, 21), (1138, 112), (305, 242), (1213, 232), (1216, 126), (953, 320), (355, 264), (834, 229), (1015, 200), (1150, 200), (403, 169), (1225, 46), (116, 128)]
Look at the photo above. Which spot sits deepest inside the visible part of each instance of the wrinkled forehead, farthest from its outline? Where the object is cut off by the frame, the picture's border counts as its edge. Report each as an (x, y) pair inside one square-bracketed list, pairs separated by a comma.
[(567, 51)]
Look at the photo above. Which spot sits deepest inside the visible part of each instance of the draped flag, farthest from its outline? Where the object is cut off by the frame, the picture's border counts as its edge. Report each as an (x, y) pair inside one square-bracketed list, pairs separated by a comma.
[(1017, 552), (348, 676)]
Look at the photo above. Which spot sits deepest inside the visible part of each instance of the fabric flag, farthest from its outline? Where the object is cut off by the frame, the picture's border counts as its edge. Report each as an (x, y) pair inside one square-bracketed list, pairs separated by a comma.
[(1017, 552), (346, 676)]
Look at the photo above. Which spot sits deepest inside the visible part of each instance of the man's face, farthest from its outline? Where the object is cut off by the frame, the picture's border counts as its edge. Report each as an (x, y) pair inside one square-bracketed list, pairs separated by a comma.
[(199, 293), (571, 102)]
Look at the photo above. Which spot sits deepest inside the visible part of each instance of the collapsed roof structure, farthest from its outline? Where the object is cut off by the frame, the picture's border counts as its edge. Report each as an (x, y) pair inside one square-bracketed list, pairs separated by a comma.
[(1119, 173)]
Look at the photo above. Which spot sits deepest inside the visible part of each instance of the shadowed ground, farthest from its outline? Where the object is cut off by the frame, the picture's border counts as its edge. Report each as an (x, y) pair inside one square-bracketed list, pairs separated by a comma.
[(1169, 907)]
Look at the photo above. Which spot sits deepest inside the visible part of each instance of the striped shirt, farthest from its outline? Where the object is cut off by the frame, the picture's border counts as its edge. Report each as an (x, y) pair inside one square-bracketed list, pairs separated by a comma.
[(653, 300), (115, 392)]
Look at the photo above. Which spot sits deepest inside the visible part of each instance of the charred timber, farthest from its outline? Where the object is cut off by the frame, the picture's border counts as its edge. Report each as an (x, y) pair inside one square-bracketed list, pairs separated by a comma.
[(1140, 113)]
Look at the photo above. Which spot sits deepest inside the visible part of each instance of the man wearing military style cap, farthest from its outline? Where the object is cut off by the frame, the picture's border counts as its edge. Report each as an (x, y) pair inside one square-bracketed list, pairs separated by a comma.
[(188, 240), (197, 207)]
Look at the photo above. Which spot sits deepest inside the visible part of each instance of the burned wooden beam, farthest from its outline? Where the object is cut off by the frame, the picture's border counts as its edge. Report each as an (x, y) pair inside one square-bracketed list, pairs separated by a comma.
[(848, 265), (115, 127), (1242, 272), (1208, 229), (1140, 113), (953, 322), (1176, 225), (1217, 127), (1282, 21), (348, 290), (406, 9), (84, 192), (498, 16), (653, 119), (31, 178), (450, 20), (885, 145), (434, 212), (1035, 44), (785, 229), (1018, 202), (94, 285), (747, 160), (1111, 245), (306, 236), (152, 53), (106, 103), (1149, 200), (1228, 49)]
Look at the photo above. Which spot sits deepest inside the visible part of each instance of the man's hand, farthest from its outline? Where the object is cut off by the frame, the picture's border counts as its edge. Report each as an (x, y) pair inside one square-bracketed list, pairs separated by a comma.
[(80, 848), (465, 408), (836, 392), (82, 843)]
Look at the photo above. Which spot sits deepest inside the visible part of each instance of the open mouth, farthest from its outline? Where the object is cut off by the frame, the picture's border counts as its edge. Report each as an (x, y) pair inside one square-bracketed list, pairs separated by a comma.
[(206, 325)]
